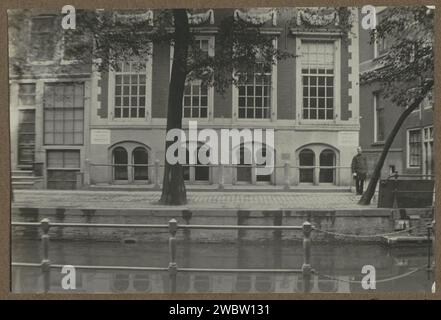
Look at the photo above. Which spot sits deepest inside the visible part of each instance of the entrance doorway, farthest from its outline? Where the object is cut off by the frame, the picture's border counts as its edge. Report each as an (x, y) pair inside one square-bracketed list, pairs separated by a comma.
[(26, 138)]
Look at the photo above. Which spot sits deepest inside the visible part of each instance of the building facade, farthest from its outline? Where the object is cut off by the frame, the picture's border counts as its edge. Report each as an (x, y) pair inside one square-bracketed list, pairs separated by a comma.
[(412, 150), (75, 127)]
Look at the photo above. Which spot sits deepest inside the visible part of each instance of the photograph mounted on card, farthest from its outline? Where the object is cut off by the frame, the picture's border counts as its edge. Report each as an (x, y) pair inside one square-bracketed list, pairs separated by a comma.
[(222, 150)]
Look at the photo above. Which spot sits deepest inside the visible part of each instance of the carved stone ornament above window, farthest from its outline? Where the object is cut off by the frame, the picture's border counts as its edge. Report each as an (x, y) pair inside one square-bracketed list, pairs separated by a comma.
[(134, 17), (200, 18), (317, 17), (256, 18)]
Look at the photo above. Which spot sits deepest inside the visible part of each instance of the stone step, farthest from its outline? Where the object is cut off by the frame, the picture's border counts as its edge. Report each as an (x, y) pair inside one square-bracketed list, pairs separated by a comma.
[(23, 178), (16, 173), (22, 185)]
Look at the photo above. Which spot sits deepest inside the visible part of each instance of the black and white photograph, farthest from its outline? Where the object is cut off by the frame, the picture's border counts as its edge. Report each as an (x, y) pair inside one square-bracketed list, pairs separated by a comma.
[(222, 150)]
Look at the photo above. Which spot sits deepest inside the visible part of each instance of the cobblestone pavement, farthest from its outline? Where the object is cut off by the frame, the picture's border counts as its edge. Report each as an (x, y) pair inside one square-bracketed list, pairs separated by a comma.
[(196, 200)]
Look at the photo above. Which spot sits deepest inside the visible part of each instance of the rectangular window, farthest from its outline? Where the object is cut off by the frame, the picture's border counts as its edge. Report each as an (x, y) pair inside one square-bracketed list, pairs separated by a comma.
[(196, 98), (62, 169), (317, 65), (26, 137), (382, 46), (414, 148), (26, 124), (43, 39), (428, 159), (379, 118), (76, 46), (427, 102), (63, 113), (26, 94), (130, 90), (255, 96)]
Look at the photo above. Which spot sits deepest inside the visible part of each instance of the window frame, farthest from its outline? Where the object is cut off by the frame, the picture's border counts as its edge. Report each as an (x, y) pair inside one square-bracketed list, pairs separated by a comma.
[(24, 106), (210, 90), (49, 168), (45, 144), (421, 133), (148, 94), (30, 56), (337, 80), (427, 152), (376, 96), (376, 43), (273, 97), (143, 165)]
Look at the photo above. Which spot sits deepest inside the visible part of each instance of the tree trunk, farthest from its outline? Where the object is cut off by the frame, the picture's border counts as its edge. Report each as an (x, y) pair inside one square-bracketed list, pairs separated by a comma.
[(370, 190), (173, 188)]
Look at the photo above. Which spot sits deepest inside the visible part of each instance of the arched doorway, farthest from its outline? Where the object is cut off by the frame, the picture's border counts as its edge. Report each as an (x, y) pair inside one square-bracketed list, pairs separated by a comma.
[(306, 163), (140, 160), (327, 166), (120, 162)]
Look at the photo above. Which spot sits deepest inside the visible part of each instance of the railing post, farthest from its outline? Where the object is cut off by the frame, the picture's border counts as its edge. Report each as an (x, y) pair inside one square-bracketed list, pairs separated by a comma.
[(395, 201), (45, 263), (429, 227), (286, 173), (430, 243), (221, 177), (253, 173), (306, 267), (157, 174), (172, 267), (87, 173)]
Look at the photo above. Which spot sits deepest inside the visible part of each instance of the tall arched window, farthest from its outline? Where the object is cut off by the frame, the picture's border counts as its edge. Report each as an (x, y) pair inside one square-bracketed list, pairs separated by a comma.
[(120, 161), (121, 282), (141, 161), (306, 160), (327, 160)]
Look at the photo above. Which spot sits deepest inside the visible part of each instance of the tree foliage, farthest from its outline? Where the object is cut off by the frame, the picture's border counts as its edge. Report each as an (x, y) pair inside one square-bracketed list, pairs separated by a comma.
[(408, 65), (405, 71), (119, 35)]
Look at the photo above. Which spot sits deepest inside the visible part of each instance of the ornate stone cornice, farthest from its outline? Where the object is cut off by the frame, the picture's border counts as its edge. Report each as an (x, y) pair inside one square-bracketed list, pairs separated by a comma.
[(317, 18), (200, 18), (134, 17), (256, 18)]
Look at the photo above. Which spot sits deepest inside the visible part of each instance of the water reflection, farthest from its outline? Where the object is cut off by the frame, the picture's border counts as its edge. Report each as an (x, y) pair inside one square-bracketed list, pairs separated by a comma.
[(343, 262)]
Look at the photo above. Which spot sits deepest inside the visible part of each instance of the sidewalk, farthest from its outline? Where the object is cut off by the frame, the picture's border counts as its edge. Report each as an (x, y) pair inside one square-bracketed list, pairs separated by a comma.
[(196, 200)]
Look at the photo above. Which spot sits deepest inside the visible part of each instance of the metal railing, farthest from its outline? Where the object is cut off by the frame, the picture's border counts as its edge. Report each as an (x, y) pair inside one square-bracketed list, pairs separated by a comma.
[(395, 191), (172, 268), (288, 175)]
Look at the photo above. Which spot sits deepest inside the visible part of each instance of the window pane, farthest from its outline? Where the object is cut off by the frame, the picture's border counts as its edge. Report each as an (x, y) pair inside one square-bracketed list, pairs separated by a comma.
[(132, 77), (65, 115), (317, 66), (43, 38)]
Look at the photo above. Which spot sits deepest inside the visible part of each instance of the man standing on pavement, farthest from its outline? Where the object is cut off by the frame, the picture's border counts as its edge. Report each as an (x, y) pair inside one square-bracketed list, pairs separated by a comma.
[(359, 170)]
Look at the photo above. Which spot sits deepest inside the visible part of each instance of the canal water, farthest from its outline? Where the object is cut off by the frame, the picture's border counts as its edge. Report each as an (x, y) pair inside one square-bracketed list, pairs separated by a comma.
[(339, 267)]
